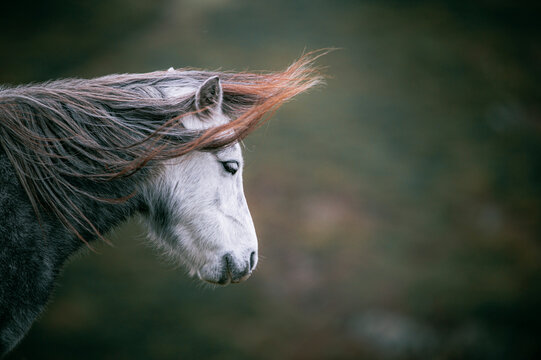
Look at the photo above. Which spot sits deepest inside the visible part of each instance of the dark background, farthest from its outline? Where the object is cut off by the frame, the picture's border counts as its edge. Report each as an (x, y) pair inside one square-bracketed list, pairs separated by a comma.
[(398, 209)]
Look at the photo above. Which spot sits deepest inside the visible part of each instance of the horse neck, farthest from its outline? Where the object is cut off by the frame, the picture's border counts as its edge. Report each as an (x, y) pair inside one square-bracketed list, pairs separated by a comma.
[(123, 200), (46, 231)]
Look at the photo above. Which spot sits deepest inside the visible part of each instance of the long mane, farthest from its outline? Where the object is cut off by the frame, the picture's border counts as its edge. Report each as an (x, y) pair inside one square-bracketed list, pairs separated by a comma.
[(111, 127)]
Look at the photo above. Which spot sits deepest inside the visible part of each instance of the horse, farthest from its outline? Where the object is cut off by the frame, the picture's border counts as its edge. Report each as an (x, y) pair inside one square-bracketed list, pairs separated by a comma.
[(78, 157)]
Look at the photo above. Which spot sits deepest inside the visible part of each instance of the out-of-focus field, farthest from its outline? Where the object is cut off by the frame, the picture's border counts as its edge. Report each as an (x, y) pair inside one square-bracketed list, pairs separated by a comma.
[(398, 208)]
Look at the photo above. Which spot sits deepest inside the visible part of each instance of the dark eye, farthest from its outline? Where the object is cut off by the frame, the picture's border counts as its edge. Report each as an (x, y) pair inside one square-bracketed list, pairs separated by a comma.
[(231, 166)]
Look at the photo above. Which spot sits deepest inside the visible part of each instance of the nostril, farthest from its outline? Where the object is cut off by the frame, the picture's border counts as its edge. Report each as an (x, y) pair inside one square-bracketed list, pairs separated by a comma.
[(252, 260)]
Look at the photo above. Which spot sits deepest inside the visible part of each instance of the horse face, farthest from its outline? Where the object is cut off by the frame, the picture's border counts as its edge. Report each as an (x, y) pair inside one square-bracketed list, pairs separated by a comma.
[(197, 209)]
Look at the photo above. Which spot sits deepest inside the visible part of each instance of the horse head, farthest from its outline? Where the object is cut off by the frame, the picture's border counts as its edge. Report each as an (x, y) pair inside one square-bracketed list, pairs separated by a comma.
[(197, 211)]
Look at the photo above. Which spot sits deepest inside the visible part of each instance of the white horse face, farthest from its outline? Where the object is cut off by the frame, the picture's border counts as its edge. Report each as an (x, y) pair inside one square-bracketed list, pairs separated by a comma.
[(198, 212)]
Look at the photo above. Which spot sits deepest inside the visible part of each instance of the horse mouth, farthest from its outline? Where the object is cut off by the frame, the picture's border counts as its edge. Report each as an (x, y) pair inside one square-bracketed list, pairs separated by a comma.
[(228, 270), (225, 279)]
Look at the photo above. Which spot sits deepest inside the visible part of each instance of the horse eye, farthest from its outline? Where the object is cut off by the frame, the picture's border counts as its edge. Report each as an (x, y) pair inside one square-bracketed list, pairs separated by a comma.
[(231, 166)]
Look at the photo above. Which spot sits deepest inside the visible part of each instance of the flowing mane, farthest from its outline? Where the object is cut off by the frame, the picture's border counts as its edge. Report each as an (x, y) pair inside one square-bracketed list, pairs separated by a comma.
[(59, 133)]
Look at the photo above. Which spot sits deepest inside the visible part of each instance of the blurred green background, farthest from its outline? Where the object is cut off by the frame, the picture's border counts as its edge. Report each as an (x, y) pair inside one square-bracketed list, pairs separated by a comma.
[(398, 209)]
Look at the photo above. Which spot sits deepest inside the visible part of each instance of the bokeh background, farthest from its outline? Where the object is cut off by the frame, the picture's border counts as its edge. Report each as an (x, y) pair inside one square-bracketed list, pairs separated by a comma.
[(398, 208)]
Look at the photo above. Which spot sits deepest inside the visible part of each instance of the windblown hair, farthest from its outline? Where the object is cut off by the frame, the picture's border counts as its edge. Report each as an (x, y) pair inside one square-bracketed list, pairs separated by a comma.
[(111, 127)]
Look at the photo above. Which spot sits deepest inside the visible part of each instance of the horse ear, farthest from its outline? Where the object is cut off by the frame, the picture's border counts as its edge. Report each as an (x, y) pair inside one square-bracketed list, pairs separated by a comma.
[(209, 95)]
